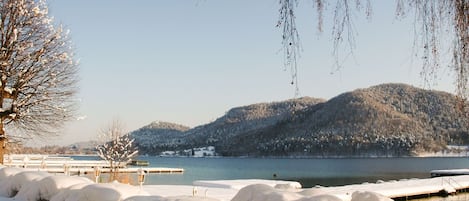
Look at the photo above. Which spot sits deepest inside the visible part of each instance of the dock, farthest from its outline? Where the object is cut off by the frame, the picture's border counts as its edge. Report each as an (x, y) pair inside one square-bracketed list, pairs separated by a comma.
[(450, 172), (405, 189), (68, 166)]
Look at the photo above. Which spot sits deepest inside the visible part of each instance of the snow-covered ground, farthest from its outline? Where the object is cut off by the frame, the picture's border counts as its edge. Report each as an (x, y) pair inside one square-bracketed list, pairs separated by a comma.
[(22, 185), (450, 151)]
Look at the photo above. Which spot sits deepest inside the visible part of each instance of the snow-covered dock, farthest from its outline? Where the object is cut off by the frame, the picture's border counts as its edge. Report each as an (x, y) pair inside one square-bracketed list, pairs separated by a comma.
[(451, 172), (67, 165), (405, 189), (88, 170)]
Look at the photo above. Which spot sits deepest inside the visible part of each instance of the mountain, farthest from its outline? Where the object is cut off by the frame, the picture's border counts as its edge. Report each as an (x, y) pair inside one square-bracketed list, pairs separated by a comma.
[(383, 120), (157, 136), (247, 119)]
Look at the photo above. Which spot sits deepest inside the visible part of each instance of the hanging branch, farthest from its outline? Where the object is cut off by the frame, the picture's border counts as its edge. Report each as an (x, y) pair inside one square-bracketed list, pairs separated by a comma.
[(290, 39), (343, 23)]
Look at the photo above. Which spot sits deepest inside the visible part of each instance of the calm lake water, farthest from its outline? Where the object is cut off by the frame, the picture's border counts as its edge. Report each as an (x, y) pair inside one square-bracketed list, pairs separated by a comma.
[(309, 172)]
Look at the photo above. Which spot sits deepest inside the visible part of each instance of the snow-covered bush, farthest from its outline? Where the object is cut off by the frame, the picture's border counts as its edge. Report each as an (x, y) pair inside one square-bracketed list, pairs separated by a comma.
[(117, 148)]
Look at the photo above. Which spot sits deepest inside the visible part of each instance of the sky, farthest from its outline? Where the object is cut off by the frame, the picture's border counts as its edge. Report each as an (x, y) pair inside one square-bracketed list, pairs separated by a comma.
[(190, 61)]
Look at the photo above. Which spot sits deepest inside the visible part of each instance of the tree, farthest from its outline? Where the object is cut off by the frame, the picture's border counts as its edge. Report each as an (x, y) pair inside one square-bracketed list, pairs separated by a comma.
[(38, 74), (117, 147), (435, 20)]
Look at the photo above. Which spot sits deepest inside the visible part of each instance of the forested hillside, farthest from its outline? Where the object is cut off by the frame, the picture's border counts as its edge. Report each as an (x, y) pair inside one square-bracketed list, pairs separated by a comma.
[(384, 120)]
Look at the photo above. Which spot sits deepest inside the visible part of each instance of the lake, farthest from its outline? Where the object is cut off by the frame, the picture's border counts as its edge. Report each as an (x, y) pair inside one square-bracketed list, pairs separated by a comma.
[(309, 172)]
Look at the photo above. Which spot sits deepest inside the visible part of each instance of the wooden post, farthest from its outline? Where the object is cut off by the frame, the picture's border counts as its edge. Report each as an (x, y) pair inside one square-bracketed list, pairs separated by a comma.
[(141, 176), (97, 173)]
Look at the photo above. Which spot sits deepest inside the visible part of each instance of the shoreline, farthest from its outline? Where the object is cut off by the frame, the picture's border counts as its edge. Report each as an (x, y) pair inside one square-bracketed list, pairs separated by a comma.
[(441, 154), (34, 185)]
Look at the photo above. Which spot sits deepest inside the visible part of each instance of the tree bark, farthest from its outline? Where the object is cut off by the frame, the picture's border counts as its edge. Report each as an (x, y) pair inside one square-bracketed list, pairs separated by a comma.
[(3, 140)]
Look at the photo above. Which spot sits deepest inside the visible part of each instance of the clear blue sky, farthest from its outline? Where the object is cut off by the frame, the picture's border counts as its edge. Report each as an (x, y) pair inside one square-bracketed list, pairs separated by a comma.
[(190, 61)]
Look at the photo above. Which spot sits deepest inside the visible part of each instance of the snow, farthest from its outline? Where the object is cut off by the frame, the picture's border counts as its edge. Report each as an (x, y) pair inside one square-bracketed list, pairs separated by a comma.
[(21, 179), (239, 184), (47, 187), (451, 171), (7, 172), (261, 192), (222, 194), (26, 185), (107, 191), (368, 196), (8, 90)]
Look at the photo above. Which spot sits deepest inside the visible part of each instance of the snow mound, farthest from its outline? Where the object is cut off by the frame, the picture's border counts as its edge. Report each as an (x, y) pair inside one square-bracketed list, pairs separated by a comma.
[(104, 192), (262, 192), (22, 179), (144, 198), (321, 198), (12, 179), (313, 191), (241, 183), (47, 187), (176, 198), (68, 193), (369, 196), (5, 186), (6, 172), (287, 186)]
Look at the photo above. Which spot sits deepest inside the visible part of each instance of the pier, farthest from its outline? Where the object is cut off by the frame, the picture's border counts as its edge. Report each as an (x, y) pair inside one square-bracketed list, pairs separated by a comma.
[(406, 189), (451, 172), (68, 166)]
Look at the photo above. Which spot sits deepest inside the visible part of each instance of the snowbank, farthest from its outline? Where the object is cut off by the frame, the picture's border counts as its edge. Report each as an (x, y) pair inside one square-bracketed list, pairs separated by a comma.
[(29, 185), (239, 184), (223, 194), (16, 182), (176, 198), (13, 179), (47, 187), (262, 192), (104, 192), (6, 172), (368, 196)]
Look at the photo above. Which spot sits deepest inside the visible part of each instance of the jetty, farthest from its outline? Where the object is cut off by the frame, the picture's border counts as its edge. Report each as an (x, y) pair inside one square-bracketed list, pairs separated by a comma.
[(450, 172), (406, 189), (69, 166)]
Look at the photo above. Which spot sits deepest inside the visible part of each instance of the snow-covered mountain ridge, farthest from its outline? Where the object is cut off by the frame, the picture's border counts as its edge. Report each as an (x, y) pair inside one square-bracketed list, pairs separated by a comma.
[(383, 120)]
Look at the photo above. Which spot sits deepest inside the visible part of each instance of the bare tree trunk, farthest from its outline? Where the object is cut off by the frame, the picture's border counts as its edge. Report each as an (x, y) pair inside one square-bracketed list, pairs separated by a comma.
[(2, 118), (2, 142)]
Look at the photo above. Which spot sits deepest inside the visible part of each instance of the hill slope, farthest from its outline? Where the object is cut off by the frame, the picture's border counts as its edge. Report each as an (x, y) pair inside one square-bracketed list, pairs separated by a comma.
[(384, 120), (246, 119), (157, 136)]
